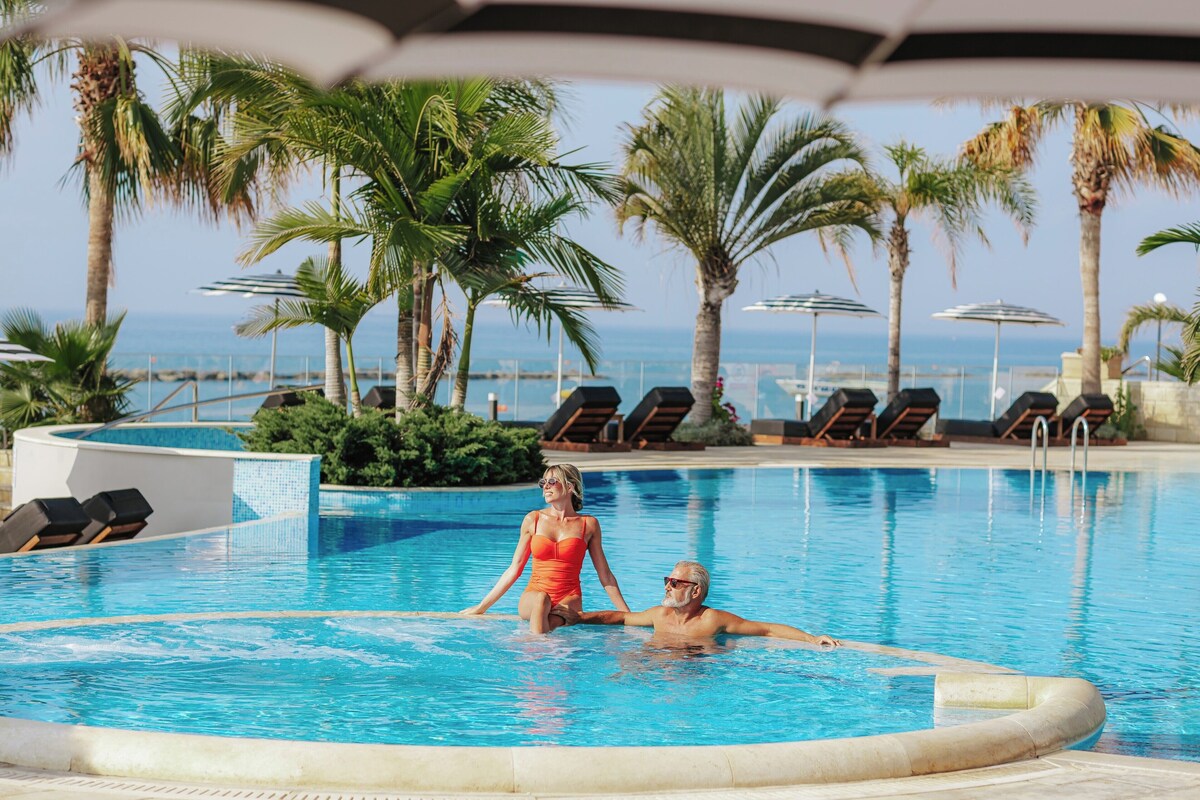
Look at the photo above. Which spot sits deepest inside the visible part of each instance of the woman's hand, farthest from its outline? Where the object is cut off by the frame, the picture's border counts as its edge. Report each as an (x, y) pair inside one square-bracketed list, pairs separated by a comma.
[(827, 641), (473, 611)]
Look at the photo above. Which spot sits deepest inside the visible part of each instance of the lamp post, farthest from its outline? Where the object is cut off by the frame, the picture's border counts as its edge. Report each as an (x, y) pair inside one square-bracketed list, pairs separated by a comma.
[(1159, 299)]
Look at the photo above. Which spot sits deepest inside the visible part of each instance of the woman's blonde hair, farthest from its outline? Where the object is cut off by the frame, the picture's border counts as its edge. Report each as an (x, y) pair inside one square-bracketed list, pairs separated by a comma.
[(569, 474)]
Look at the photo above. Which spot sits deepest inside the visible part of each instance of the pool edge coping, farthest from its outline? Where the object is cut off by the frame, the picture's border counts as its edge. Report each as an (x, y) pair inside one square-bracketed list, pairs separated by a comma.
[(1050, 715)]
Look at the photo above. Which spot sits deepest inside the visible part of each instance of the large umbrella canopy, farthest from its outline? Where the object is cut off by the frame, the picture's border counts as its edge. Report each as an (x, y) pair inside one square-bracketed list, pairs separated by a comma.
[(572, 297), (11, 351), (823, 51), (815, 304), (999, 313), (273, 285)]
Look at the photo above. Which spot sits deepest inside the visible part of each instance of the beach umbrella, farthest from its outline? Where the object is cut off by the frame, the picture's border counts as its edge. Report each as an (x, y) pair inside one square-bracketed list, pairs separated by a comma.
[(572, 297), (11, 351), (269, 285), (999, 313), (815, 304), (822, 51)]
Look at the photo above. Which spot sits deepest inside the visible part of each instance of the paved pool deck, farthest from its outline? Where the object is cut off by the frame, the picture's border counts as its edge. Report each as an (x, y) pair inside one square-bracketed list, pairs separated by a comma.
[(1067, 775)]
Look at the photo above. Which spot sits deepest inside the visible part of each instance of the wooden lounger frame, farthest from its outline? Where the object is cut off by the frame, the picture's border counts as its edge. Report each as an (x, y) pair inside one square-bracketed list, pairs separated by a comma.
[(594, 415), (662, 418), (910, 441)]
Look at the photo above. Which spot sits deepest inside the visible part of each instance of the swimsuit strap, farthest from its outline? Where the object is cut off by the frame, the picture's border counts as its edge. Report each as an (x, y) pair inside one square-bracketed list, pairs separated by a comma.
[(536, 516)]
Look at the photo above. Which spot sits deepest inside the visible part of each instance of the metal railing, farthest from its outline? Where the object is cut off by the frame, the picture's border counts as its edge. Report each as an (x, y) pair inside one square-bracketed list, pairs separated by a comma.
[(1086, 436), (144, 415)]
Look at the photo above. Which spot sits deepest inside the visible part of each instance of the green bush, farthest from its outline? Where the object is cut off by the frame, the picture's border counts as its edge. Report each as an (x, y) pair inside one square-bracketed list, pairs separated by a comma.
[(431, 446), (715, 433)]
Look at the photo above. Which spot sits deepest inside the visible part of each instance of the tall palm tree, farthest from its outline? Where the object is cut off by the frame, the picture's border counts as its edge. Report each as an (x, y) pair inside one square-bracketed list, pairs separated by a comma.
[(1113, 146), (243, 112), (332, 299), (948, 194), (726, 187), (125, 153)]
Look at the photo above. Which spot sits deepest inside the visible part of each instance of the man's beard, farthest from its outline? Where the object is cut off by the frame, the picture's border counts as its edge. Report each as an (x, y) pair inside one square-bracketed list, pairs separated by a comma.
[(670, 602)]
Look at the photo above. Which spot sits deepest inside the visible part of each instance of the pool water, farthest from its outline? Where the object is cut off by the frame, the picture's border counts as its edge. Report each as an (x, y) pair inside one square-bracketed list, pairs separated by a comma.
[(1100, 581), (417, 680)]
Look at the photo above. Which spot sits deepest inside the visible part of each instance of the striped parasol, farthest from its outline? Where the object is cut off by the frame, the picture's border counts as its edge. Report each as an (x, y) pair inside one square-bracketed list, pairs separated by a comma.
[(999, 313), (272, 285), (572, 297), (815, 304), (11, 351), (827, 52)]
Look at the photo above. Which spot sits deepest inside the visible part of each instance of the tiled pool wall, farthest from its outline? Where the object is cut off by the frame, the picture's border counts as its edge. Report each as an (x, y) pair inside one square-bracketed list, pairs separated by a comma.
[(387, 502), (264, 488), (186, 437)]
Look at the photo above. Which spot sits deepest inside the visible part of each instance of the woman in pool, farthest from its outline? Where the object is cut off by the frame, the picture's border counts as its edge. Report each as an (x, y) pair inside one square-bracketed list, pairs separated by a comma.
[(557, 537)]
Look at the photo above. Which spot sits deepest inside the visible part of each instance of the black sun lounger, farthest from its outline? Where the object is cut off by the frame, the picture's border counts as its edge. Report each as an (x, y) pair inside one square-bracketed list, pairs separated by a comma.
[(43, 523), (285, 399), (383, 397), (908, 412), (650, 425), (115, 515), (1013, 426), (838, 423), (1095, 408), (577, 423)]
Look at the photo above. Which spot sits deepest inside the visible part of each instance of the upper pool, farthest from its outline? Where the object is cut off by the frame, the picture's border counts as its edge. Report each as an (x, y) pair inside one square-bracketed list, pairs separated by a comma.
[(1100, 582)]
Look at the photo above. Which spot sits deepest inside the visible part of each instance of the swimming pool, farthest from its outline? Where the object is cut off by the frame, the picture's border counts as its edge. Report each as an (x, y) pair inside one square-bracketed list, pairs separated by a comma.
[(964, 562)]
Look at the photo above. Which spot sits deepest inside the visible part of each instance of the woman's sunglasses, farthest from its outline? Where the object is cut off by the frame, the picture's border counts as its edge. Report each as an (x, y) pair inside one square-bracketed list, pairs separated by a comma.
[(544, 482)]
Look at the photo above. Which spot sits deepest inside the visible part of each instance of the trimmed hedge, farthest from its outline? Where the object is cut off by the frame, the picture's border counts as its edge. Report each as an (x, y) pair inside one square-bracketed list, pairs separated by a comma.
[(715, 433), (432, 446)]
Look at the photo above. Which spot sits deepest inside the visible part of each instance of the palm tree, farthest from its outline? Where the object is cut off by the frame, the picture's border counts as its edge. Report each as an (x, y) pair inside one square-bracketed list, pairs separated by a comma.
[(243, 111), (1138, 316), (725, 193), (950, 195), (1185, 361), (74, 386), (1113, 147), (332, 299), (125, 152)]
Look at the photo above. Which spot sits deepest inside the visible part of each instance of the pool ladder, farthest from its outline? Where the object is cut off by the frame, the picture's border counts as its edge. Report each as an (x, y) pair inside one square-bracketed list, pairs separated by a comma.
[(1042, 426)]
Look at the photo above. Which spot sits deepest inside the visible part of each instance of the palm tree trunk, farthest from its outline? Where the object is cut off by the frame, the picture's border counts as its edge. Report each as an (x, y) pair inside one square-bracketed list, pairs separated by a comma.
[(404, 355), (99, 249), (1089, 274), (335, 390), (355, 397), (897, 266), (706, 343), (458, 398)]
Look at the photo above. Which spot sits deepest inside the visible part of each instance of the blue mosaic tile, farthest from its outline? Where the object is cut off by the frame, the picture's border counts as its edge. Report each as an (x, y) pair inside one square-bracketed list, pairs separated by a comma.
[(183, 437), (387, 503), (266, 488)]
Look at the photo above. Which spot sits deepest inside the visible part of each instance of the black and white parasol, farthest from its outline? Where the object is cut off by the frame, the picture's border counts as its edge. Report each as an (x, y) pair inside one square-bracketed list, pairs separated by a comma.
[(270, 285)]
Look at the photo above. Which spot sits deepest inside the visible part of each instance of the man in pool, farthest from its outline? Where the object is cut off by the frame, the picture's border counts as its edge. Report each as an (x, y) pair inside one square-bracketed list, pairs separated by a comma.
[(683, 614)]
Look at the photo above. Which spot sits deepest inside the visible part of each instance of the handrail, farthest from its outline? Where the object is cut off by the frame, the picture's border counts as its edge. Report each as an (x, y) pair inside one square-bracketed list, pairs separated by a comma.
[(1086, 436), (1133, 364), (195, 397), (1043, 425), (141, 415)]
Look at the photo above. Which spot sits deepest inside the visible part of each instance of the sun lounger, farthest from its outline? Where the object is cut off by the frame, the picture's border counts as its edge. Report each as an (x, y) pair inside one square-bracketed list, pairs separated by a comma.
[(838, 423), (43, 523), (115, 515), (650, 425), (284, 399), (1095, 408), (1014, 426), (905, 415), (383, 397), (577, 423)]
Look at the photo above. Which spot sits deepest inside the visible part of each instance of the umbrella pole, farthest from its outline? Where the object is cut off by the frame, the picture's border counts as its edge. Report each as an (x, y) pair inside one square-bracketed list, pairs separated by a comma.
[(812, 370), (274, 338), (995, 369), (558, 382)]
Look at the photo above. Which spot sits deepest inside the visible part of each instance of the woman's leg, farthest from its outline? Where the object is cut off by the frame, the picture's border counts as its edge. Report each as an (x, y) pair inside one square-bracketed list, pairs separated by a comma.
[(535, 607)]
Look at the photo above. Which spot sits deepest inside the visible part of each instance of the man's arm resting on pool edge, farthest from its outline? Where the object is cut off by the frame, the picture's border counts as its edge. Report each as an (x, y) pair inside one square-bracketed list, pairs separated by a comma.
[(732, 623), (641, 619)]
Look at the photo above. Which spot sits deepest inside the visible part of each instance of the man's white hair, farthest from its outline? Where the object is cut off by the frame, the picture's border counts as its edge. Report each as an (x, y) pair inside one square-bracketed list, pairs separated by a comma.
[(698, 574)]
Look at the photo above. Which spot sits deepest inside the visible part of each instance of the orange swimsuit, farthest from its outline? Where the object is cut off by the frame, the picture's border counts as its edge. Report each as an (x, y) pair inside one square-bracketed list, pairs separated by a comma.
[(556, 565)]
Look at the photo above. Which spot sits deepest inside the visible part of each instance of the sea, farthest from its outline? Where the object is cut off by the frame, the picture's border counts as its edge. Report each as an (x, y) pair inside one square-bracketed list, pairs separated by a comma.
[(764, 369)]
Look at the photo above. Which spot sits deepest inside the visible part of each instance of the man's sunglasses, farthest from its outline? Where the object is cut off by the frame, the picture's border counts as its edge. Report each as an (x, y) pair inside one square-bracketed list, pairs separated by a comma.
[(544, 482), (675, 583)]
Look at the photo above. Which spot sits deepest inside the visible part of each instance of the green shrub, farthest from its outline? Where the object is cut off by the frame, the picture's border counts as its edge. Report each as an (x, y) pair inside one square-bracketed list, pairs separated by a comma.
[(715, 433), (430, 446), (1124, 417)]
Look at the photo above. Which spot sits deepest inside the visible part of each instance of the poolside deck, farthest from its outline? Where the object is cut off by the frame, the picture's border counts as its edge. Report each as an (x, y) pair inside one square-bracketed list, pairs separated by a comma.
[(1067, 775)]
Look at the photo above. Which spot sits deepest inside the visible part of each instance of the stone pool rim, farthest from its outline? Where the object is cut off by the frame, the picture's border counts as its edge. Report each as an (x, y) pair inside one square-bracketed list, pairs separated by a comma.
[(1050, 714)]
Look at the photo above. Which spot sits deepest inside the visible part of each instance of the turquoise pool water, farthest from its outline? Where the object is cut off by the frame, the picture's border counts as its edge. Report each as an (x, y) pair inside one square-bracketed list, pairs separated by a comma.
[(449, 682), (1101, 582)]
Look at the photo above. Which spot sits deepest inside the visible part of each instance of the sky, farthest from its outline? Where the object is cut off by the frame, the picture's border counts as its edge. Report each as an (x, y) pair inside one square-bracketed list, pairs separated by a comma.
[(164, 253)]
